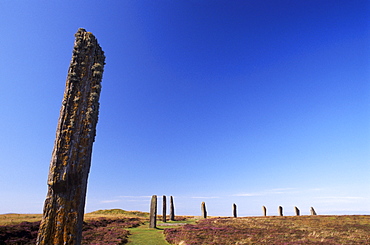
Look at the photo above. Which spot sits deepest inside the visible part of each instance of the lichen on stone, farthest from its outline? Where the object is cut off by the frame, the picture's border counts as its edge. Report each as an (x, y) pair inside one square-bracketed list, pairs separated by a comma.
[(71, 159)]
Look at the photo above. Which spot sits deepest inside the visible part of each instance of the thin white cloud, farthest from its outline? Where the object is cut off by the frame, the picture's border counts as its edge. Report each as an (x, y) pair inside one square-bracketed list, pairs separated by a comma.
[(205, 197), (248, 194), (134, 196), (346, 198), (283, 189), (336, 199), (268, 192), (109, 201), (136, 200), (316, 189)]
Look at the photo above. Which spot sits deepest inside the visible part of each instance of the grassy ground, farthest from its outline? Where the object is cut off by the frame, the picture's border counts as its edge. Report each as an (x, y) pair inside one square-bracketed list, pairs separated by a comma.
[(346, 229), (139, 235), (12, 219), (116, 214), (143, 235)]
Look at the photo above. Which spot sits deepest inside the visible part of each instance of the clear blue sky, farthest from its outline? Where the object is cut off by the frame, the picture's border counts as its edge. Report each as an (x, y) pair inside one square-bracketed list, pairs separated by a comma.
[(247, 102)]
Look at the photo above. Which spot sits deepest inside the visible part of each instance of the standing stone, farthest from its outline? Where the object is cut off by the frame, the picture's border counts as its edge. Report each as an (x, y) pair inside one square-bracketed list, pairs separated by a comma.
[(297, 212), (204, 210), (264, 211), (71, 158), (172, 209), (234, 210), (313, 212), (153, 212), (164, 218), (280, 211)]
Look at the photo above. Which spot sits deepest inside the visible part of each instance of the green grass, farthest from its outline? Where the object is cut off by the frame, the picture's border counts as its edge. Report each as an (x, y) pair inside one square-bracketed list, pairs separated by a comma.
[(12, 219), (143, 235), (119, 212)]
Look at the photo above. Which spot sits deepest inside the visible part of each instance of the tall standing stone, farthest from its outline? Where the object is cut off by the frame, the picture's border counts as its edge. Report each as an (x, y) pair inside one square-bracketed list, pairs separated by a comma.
[(297, 212), (172, 209), (313, 212), (234, 211), (204, 210), (280, 211), (164, 218), (71, 158), (153, 212), (264, 211)]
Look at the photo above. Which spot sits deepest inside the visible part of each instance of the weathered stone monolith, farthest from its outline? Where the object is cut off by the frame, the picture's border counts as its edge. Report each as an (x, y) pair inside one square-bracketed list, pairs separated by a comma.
[(234, 211), (153, 212), (204, 210), (172, 209), (71, 158), (264, 211), (297, 212), (164, 218), (280, 211), (313, 212)]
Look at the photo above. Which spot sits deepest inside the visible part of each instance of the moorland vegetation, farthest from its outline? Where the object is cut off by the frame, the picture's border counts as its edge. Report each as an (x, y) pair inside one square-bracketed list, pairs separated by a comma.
[(118, 226)]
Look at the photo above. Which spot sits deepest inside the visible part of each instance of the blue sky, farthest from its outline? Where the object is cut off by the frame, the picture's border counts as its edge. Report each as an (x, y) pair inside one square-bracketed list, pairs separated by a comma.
[(247, 102)]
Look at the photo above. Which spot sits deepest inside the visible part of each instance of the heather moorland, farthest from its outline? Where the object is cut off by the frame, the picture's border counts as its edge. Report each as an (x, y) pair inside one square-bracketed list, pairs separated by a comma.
[(131, 227)]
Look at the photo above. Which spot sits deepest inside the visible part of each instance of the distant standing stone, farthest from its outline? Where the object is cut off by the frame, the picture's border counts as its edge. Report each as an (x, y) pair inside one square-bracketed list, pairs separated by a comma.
[(234, 210), (172, 209), (264, 211), (164, 218), (297, 212), (280, 211), (204, 210)]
